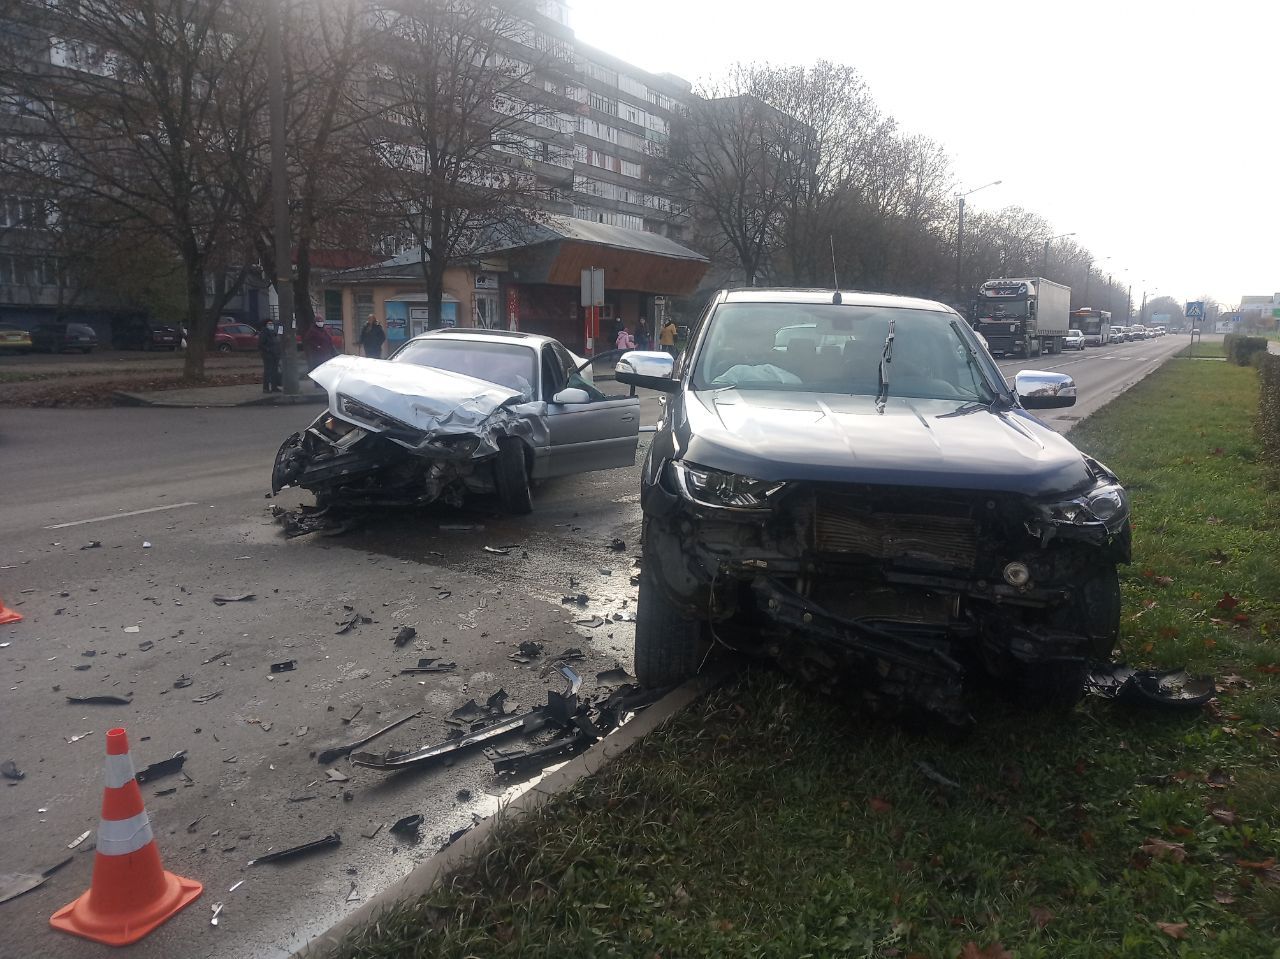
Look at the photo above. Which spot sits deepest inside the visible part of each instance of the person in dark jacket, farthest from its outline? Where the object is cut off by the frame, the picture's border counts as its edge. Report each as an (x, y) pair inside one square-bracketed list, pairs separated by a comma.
[(269, 347), (372, 337)]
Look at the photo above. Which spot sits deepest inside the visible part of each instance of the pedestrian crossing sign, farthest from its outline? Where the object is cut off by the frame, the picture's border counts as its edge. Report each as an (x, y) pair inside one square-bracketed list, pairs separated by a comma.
[(1195, 310)]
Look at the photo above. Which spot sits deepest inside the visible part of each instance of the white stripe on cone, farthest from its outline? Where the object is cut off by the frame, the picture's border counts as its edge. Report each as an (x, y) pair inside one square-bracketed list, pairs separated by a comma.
[(118, 771), (119, 837)]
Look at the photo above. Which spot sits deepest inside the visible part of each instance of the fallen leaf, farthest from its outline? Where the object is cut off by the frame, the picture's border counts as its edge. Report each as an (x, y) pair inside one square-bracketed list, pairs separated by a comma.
[(1041, 916), (1223, 898), (1163, 580), (1163, 849), (1271, 668), (1217, 451), (1261, 866), (878, 805), (1213, 521), (1169, 632), (1233, 681), (993, 951), (1174, 930), (1225, 816), (1228, 602), (1033, 827), (1218, 778), (1240, 618), (1148, 603)]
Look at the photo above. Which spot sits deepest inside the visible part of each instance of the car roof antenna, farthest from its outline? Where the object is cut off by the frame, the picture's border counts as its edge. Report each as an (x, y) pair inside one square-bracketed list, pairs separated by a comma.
[(834, 276)]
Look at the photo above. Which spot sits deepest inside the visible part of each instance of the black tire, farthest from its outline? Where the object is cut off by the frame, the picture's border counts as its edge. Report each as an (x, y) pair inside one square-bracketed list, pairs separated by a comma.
[(670, 647), (511, 477), (224, 347), (1093, 609)]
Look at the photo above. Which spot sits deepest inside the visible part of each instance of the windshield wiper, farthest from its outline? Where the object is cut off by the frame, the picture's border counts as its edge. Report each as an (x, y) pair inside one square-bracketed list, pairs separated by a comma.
[(886, 357)]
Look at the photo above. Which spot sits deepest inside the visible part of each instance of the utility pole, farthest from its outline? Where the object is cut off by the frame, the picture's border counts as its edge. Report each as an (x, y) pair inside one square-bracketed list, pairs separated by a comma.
[(1088, 268), (280, 200), (960, 252), (1044, 264)]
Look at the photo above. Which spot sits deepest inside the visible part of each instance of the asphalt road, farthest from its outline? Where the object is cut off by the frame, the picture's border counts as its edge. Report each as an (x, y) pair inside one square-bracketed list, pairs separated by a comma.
[(175, 500)]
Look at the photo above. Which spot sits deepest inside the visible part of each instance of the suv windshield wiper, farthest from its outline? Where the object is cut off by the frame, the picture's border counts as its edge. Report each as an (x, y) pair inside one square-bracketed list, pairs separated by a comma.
[(886, 357)]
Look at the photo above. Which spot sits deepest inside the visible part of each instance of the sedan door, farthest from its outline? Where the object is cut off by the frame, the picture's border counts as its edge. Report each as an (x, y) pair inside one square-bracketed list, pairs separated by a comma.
[(594, 432)]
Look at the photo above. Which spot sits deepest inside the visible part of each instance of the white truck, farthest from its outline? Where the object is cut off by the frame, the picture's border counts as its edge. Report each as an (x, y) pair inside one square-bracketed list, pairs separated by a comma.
[(1023, 316)]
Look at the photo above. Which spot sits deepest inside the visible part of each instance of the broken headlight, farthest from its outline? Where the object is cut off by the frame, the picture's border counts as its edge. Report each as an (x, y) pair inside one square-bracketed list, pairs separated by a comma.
[(1105, 505), (724, 490), (366, 415)]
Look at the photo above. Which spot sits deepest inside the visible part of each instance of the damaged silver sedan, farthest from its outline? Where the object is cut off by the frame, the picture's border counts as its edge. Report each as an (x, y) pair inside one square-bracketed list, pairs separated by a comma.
[(454, 412)]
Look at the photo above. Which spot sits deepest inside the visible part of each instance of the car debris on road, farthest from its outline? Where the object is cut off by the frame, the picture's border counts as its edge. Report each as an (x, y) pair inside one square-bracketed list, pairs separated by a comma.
[(328, 842), (327, 756)]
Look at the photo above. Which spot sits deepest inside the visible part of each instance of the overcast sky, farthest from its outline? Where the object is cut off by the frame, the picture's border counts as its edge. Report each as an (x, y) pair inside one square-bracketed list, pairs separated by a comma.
[(1152, 130)]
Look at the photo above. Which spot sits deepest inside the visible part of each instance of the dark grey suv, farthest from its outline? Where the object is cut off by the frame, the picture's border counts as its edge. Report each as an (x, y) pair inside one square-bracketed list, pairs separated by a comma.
[(847, 484)]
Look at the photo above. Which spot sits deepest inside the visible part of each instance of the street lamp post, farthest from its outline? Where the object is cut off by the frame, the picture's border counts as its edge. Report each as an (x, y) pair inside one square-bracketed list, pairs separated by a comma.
[(1044, 266), (960, 237)]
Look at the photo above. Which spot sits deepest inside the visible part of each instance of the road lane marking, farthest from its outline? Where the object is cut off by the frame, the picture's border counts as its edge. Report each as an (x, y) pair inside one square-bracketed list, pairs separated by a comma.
[(136, 512)]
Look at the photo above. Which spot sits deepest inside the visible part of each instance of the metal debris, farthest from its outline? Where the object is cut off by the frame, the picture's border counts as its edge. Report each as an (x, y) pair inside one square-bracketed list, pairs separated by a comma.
[(498, 550), (165, 767), (238, 598), (352, 895), (617, 544), (236, 885), (288, 666), (934, 776), (217, 911), (580, 599), (9, 770), (337, 776), (590, 622), (408, 826), (346, 720), (80, 839), (146, 645), (337, 752), (405, 635), (92, 544), (182, 682), (215, 657), (101, 700), (356, 619), (207, 697), (372, 831), (430, 665), (14, 884), (1171, 688), (329, 841), (76, 739)]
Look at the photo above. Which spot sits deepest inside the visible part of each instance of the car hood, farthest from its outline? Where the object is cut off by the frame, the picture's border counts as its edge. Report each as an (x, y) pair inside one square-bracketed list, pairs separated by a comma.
[(425, 398), (826, 437)]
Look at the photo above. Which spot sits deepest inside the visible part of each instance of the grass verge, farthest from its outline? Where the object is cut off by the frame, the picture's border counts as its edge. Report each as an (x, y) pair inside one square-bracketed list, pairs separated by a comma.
[(1204, 349), (772, 822)]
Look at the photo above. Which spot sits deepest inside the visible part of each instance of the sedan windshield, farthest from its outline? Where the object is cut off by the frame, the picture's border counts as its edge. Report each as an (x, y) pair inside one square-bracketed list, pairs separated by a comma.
[(507, 364), (829, 348)]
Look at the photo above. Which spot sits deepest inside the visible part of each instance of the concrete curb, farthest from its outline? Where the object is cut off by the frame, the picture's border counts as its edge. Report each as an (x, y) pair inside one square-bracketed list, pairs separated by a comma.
[(439, 867), (123, 398)]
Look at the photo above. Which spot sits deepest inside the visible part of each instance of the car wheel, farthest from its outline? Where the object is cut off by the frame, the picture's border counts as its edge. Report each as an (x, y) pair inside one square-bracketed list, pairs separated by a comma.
[(224, 347), (1094, 610), (511, 477), (670, 647)]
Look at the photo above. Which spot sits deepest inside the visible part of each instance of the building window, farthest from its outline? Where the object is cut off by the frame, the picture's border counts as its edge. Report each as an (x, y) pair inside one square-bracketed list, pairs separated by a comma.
[(604, 104), (630, 169), (601, 73), (633, 86)]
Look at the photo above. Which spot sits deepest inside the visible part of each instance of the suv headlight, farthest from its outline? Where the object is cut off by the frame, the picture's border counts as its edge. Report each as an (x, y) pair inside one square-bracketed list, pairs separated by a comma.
[(1106, 505), (724, 490)]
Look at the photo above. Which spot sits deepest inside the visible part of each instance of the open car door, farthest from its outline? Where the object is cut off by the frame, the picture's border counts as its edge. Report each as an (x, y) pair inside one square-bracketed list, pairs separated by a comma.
[(589, 429)]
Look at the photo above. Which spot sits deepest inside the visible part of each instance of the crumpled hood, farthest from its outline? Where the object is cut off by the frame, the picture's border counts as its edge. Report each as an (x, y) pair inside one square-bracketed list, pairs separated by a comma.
[(428, 399), (837, 438)]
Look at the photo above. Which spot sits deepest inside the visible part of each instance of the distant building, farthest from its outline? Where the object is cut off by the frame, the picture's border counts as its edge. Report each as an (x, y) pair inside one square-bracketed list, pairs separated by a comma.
[(1259, 312)]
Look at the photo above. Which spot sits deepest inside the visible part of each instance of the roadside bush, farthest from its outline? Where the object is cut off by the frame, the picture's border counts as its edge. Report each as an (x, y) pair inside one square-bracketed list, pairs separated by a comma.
[(1267, 426), (1240, 349)]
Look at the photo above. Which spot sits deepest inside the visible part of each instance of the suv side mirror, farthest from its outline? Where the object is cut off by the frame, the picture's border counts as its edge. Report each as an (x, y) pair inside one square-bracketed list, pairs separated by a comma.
[(1039, 390), (571, 394), (652, 370)]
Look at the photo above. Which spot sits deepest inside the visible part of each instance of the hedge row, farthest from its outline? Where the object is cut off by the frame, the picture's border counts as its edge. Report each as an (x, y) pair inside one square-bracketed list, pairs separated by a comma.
[(1240, 349), (1268, 424)]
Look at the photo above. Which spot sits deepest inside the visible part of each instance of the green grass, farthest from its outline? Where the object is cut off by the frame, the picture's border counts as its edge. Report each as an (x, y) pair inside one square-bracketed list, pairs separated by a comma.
[(1203, 348), (771, 821)]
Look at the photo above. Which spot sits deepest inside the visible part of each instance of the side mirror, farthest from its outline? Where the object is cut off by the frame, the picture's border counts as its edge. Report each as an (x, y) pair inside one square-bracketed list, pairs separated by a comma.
[(651, 370), (571, 394), (1044, 391)]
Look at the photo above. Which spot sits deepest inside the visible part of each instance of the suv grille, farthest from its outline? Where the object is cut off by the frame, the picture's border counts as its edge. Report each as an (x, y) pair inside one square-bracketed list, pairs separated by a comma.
[(942, 540)]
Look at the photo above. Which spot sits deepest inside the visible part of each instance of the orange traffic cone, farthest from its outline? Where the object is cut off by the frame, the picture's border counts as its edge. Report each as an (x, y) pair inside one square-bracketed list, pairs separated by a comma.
[(130, 893), (8, 615)]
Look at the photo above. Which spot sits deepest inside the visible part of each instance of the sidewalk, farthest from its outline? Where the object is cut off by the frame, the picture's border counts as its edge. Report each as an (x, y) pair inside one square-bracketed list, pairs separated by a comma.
[(249, 394)]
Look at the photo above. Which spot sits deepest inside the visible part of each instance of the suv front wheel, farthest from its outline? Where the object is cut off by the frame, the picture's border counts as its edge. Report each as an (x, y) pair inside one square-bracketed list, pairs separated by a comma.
[(670, 647)]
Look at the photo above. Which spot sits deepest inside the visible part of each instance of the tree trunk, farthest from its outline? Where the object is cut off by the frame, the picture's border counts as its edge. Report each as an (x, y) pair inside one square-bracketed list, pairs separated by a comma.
[(435, 297), (303, 308), (193, 366)]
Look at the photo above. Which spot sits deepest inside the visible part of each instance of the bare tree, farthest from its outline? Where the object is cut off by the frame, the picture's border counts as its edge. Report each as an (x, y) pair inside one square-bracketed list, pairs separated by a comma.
[(459, 97), (130, 109), (735, 161)]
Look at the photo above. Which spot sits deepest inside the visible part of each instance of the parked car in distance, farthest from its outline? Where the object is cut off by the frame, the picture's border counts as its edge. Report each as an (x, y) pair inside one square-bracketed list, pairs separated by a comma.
[(1139, 331), (61, 337), (15, 339), (1119, 334), (137, 333), (1074, 340), (881, 509), (234, 337)]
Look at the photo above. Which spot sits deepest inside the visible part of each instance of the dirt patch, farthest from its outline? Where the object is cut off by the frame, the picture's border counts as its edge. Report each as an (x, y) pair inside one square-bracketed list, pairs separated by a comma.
[(99, 390)]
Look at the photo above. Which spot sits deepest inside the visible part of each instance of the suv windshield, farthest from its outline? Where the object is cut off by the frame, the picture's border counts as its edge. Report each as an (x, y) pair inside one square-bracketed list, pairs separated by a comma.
[(507, 364), (828, 348)]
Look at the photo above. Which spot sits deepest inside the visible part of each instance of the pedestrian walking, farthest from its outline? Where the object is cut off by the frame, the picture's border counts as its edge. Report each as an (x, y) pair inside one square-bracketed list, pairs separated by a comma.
[(318, 346), (269, 347), (643, 340), (667, 337), (625, 340), (372, 337)]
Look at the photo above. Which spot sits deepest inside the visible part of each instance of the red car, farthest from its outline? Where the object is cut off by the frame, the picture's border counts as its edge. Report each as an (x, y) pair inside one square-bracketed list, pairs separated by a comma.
[(335, 336), (235, 337)]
